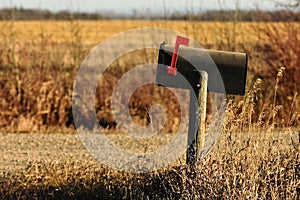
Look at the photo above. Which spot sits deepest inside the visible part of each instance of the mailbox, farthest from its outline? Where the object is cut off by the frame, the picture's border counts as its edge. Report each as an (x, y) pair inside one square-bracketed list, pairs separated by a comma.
[(200, 70), (226, 70)]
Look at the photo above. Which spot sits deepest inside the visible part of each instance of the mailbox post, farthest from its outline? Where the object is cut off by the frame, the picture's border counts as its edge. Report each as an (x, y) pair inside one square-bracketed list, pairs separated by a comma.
[(192, 69), (197, 115)]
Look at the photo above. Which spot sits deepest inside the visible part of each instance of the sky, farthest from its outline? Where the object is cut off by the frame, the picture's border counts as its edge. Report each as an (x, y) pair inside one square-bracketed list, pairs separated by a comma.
[(127, 6)]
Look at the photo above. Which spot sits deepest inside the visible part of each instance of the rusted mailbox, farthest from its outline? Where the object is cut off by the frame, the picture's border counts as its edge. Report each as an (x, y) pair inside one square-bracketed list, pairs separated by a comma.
[(201, 70)]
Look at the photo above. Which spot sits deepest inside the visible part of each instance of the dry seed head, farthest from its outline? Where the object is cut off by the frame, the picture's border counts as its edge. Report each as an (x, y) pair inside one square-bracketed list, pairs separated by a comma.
[(280, 73), (282, 69), (257, 84)]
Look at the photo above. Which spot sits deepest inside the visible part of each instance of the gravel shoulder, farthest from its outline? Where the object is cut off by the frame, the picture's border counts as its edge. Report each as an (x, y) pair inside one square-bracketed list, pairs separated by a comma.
[(17, 151)]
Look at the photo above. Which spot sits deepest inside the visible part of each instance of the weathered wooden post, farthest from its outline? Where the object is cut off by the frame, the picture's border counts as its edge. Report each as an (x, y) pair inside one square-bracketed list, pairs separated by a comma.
[(192, 69), (197, 115)]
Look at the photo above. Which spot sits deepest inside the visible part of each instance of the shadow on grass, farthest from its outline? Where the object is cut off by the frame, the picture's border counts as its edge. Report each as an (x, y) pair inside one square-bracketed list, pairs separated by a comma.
[(277, 175), (174, 183)]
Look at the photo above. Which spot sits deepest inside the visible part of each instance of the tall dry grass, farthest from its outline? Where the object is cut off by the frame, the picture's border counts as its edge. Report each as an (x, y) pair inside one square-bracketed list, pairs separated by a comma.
[(39, 61)]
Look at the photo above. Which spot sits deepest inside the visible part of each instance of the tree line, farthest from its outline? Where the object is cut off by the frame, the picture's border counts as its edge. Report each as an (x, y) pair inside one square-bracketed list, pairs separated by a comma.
[(211, 15)]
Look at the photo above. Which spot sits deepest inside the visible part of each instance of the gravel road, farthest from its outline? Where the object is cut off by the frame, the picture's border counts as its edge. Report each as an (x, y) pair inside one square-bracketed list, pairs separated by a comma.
[(19, 150)]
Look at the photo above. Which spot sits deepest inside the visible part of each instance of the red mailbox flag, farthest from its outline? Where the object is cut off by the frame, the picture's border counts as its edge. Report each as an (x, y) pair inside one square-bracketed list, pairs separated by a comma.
[(179, 41)]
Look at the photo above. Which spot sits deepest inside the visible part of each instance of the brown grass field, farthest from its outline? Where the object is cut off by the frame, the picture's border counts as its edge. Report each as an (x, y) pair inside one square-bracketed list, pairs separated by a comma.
[(257, 156)]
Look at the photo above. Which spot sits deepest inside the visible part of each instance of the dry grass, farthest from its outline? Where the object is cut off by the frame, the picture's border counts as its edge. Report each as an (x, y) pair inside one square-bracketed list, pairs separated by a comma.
[(39, 61), (257, 165), (258, 153)]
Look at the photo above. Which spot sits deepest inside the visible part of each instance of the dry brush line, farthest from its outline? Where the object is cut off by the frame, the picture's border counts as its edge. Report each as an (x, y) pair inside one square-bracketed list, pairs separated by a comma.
[(261, 111), (49, 59), (281, 49)]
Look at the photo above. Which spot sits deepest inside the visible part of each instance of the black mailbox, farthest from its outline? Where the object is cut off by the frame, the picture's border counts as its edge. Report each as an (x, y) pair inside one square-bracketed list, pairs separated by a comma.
[(226, 70)]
